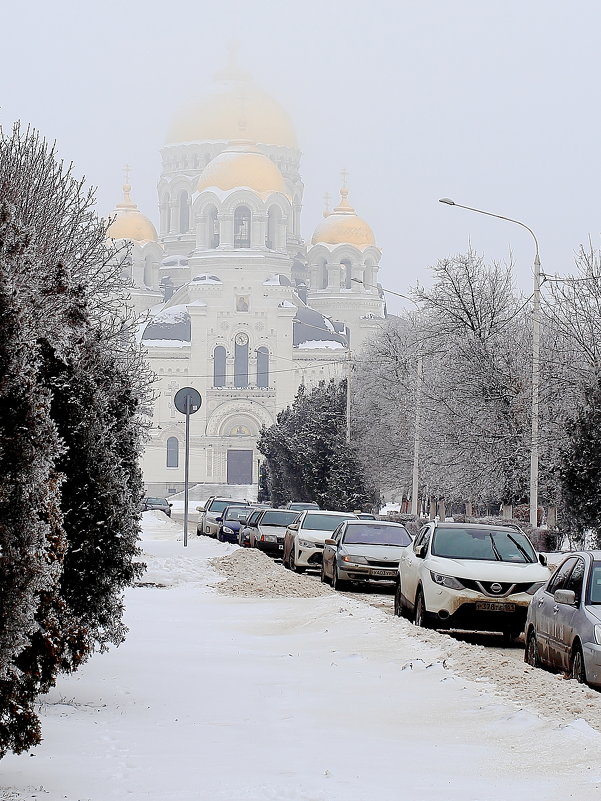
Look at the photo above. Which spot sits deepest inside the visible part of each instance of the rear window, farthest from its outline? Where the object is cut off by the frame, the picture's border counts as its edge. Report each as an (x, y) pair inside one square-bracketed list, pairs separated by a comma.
[(237, 513), (324, 522), (374, 534), (485, 544), (277, 518)]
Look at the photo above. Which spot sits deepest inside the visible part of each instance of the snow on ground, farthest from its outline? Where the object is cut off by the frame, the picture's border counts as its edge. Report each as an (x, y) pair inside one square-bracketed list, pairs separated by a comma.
[(245, 697)]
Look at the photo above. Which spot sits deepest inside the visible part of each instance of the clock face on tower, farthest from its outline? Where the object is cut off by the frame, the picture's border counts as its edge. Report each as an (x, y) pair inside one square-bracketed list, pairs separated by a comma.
[(241, 339)]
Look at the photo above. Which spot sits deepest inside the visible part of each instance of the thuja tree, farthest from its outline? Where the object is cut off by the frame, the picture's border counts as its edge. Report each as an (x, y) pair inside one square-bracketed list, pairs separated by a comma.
[(71, 384), (307, 455), (580, 466)]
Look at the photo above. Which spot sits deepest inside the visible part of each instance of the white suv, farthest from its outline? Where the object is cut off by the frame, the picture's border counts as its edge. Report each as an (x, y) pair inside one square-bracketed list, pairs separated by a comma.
[(469, 576), (305, 538)]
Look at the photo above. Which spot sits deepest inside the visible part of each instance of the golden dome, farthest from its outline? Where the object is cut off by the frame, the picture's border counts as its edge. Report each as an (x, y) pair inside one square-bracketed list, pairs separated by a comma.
[(235, 108), (242, 166), (128, 222), (343, 226)]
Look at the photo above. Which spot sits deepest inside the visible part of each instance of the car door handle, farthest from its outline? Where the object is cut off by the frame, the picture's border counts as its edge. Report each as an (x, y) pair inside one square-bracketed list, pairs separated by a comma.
[(541, 602), (555, 609)]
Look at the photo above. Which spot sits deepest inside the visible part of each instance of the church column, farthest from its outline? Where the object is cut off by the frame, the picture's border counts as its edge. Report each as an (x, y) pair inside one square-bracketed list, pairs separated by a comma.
[(257, 231), (281, 234), (357, 272), (173, 217), (226, 231), (314, 277), (333, 269)]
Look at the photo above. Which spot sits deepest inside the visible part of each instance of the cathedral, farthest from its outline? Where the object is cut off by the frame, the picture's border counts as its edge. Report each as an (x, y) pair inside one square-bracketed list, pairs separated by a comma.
[(231, 300)]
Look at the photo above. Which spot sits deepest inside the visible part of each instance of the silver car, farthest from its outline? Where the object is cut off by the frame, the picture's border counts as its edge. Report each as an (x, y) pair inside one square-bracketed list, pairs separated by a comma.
[(563, 626), (363, 550)]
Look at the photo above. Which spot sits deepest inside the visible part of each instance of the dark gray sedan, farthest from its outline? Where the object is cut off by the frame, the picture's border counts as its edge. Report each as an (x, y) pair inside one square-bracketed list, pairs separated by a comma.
[(563, 626)]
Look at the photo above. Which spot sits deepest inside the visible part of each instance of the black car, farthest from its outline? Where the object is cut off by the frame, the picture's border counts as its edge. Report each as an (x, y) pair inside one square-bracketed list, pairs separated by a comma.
[(162, 504), (232, 519)]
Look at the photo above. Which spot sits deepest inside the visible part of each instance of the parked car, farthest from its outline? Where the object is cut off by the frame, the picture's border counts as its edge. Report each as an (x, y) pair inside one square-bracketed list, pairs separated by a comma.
[(363, 550), (365, 516), (245, 530), (305, 538), (231, 520), (300, 506), (213, 507), (268, 532), (563, 627), (469, 576), (162, 504)]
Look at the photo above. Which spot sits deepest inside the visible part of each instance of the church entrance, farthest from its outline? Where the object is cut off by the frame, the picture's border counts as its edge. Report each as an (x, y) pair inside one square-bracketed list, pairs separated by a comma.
[(239, 467)]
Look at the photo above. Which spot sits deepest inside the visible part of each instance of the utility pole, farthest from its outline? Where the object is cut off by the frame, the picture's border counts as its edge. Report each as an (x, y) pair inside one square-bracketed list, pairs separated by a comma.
[(416, 435)]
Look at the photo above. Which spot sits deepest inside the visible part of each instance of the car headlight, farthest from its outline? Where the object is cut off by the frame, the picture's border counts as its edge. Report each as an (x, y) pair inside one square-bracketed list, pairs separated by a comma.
[(270, 538), (227, 530), (446, 581), (306, 544), (598, 635), (535, 587), (359, 560)]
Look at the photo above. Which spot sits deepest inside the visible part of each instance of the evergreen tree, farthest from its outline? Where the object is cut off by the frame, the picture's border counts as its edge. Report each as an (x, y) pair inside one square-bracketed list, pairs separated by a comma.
[(71, 385), (580, 466), (307, 454)]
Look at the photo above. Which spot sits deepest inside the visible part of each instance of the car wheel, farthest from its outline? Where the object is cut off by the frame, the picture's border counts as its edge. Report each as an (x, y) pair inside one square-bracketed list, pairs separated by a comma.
[(322, 575), (577, 669), (421, 615), (399, 610), (220, 537), (293, 565), (338, 583), (531, 656)]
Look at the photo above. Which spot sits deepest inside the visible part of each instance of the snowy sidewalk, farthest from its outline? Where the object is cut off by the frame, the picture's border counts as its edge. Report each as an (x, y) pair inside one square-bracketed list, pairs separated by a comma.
[(214, 698)]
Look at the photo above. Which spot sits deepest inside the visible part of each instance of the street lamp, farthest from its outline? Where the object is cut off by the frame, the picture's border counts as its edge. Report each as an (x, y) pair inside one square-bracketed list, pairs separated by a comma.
[(535, 357)]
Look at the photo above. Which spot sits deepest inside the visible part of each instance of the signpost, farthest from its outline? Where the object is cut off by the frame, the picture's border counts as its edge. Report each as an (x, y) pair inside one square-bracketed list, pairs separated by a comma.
[(187, 401)]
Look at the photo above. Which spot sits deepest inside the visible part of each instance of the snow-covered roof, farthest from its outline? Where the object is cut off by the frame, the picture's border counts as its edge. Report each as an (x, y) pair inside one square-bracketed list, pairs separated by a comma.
[(317, 344), (174, 261), (312, 326), (169, 325), (277, 280), (205, 278), (285, 304)]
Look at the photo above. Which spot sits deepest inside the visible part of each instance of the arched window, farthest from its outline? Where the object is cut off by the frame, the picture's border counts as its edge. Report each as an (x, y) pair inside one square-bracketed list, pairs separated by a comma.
[(219, 366), (166, 213), (323, 275), (274, 217), (184, 213), (148, 276), (347, 274), (241, 361), (262, 367), (242, 220), (213, 227), (173, 452)]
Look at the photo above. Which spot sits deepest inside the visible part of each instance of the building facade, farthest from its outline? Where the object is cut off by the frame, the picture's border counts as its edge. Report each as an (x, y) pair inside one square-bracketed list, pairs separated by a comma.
[(231, 300)]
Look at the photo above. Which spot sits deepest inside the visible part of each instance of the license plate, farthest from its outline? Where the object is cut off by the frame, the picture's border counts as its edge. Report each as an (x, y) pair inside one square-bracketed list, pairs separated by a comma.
[(281, 547), (487, 607), (390, 573)]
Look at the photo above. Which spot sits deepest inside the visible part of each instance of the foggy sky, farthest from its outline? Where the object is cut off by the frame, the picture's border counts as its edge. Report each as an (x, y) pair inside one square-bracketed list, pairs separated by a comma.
[(495, 104)]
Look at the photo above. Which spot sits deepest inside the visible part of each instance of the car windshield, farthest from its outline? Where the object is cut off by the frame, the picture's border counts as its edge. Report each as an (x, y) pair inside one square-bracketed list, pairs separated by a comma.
[(278, 518), (323, 522), (160, 501), (595, 585), (300, 507), (487, 544), (236, 513), (218, 506), (374, 534)]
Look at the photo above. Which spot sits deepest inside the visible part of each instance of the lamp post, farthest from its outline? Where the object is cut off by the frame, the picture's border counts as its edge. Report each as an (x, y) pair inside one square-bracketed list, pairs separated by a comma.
[(418, 408), (535, 357)]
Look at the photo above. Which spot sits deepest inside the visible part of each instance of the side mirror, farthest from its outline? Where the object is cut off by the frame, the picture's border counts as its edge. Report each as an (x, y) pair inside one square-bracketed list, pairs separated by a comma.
[(542, 559), (293, 526), (330, 542), (200, 508), (565, 597), (219, 520), (170, 504), (421, 551)]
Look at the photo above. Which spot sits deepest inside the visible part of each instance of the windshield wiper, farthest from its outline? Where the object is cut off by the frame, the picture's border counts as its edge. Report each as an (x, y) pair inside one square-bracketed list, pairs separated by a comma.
[(522, 550), (494, 547)]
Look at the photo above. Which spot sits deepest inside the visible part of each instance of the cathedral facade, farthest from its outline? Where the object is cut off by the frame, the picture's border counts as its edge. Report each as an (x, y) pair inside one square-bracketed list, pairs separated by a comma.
[(232, 301)]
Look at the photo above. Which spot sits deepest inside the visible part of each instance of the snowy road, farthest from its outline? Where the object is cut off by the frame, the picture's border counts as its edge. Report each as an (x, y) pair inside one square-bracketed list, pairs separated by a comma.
[(268, 686)]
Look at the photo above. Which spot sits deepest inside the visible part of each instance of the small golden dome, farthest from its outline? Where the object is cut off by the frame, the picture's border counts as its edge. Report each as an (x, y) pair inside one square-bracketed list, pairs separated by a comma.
[(343, 226), (242, 166), (235, 108), (128, 222)]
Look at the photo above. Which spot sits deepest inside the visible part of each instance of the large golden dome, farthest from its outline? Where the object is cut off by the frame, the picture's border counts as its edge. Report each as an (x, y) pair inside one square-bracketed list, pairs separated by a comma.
[(344, 226), (235, 108), (129, 222), (242, 166)]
